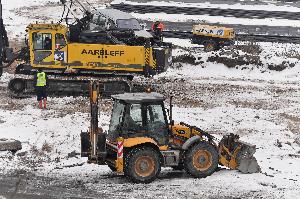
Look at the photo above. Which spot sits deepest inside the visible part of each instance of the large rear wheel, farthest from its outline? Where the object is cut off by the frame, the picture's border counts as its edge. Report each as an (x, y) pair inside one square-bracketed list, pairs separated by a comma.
[(201, 160), (142, 165)]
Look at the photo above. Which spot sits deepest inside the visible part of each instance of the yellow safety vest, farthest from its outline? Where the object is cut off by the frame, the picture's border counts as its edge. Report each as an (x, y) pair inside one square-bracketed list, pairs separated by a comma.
[(41, 79)]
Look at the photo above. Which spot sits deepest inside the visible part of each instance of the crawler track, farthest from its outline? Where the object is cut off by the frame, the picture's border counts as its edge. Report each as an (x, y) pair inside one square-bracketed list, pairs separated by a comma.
[(23, 87)]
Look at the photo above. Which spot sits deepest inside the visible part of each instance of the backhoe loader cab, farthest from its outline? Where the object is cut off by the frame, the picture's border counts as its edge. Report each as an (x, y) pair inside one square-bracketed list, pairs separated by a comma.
[(141, 140), (139, 114)]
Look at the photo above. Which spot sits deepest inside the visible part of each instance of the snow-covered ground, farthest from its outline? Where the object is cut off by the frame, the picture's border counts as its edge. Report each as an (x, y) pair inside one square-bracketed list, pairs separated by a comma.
[(17, 15), (261, 105), (268, 54), (261, 112)]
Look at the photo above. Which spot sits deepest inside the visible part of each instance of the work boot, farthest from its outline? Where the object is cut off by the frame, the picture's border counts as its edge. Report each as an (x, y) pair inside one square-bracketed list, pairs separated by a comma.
[(40, 104), (45, 104)]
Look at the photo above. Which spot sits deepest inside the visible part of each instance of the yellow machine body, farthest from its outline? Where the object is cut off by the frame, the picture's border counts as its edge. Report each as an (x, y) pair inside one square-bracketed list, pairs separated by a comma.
[(214, 31), (141, 140), (65, 55), (130, 143)]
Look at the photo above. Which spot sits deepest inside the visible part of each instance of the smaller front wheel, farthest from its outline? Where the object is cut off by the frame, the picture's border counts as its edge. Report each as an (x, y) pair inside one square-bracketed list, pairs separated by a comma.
[(201, 160), (210, 46)]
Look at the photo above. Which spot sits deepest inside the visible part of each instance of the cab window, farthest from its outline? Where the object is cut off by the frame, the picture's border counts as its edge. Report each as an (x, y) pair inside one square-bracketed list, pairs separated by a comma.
[(156, 123), (115, 121), (98, 22), (133, 120), (42, 41), (60, 41)]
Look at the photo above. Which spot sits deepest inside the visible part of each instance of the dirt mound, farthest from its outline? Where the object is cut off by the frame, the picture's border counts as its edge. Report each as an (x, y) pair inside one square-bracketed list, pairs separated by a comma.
[(186, 58), (10, 145), (250, 55)]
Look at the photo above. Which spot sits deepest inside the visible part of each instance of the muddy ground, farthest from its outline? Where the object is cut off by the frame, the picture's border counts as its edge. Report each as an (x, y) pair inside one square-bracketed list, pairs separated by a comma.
[(280, 99)]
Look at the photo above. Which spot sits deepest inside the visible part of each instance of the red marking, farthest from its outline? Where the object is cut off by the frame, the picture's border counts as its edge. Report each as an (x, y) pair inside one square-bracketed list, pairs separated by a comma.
[(120, 149)]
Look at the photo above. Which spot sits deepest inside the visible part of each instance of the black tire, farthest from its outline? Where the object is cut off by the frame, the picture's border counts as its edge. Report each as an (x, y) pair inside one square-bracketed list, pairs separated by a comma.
[(201, 160), (142, 157), (209, 46), (17, 85)]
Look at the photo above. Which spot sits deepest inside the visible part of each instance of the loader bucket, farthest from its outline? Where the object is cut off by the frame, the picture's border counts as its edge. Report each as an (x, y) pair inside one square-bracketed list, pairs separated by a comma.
[(236, 154), (246, 162)]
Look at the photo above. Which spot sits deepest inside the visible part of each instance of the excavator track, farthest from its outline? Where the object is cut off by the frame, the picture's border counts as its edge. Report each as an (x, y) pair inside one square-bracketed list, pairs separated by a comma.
[(24, 87), (62, 84)]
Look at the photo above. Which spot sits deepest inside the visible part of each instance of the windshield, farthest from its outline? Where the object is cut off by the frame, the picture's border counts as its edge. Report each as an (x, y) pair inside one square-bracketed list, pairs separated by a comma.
[(156, 123), (131, 24), (116, 119)]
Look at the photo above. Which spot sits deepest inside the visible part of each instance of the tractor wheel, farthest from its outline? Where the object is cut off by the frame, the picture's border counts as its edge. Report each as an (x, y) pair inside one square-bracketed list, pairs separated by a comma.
[(142, 165), (209, 46), (201, 160)]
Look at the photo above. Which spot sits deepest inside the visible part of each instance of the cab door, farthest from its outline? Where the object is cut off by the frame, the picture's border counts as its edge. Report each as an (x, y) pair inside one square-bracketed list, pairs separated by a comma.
[(43, 46), (61, 50), (156, 122)]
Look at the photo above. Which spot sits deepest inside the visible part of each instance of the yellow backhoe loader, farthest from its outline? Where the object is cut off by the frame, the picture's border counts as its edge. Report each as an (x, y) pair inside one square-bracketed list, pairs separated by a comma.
[(141, 140)]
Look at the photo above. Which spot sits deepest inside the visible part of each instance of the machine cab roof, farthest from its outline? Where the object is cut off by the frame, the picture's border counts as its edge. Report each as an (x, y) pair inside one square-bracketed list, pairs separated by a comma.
[(115, 19), (139, 97)]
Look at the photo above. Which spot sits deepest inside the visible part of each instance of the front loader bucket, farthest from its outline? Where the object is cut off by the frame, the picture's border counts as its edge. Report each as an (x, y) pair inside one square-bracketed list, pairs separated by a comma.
[(246, 162), (236, 154)]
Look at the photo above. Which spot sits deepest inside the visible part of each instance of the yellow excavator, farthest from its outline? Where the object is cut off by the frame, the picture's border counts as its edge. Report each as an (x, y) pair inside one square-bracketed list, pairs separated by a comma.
[(213, 37), (104, 44), (141, 139)]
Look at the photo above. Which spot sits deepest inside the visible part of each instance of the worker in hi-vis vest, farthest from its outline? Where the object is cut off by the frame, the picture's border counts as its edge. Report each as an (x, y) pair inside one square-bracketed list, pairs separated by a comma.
[(41, 84)]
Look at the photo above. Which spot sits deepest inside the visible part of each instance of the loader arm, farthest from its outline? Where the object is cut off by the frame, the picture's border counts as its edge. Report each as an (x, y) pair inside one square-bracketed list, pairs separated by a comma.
[(233, 153)]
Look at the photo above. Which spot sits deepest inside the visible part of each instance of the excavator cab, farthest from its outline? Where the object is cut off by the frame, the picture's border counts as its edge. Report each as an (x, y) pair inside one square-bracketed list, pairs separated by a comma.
[(48, 45)]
